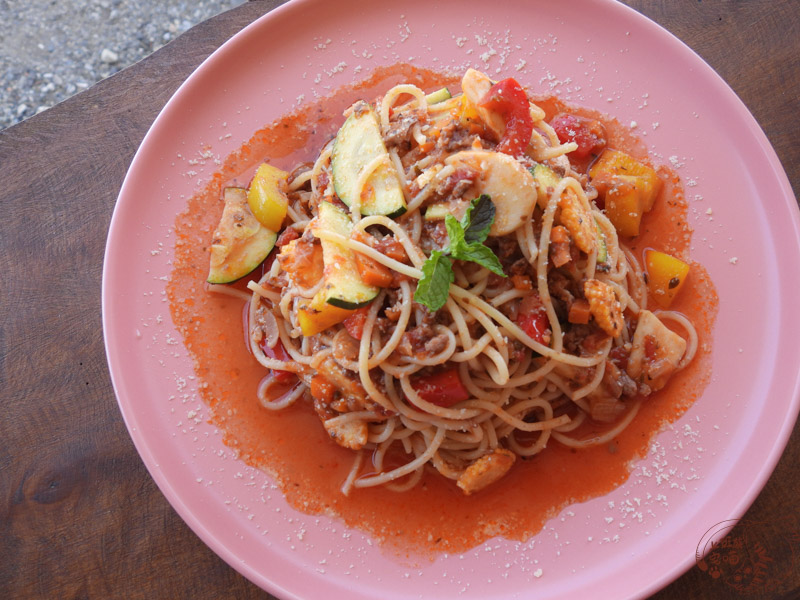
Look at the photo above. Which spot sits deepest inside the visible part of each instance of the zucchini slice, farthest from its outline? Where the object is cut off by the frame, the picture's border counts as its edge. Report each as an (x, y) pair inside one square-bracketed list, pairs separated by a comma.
[(343, 286), (439, 210), (545, 179), (602, 247), (240, 242), (357, 145), (438, 96)]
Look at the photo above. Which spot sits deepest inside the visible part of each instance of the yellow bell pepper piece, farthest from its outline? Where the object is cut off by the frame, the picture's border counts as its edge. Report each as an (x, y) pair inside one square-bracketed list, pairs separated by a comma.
[(614, 162), (267, 196), (317, 315), (628, 187), (665, 276), (625, 203)]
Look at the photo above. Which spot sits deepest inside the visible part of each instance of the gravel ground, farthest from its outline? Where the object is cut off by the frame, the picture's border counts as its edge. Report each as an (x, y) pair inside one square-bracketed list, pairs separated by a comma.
[(50, 49)]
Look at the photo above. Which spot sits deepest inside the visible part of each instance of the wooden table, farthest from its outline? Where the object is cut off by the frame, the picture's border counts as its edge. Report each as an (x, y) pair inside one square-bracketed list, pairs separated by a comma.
[(80, 515)]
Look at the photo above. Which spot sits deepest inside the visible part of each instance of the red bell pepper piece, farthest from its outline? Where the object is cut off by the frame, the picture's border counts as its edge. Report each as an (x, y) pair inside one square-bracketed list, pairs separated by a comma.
[(509, 100), (443, 388), (354, 324), (532, 319)]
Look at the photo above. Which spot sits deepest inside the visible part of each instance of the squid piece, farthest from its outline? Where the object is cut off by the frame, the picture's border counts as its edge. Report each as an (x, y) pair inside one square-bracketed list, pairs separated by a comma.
[(485, 471), (348, 433), (656, 352)]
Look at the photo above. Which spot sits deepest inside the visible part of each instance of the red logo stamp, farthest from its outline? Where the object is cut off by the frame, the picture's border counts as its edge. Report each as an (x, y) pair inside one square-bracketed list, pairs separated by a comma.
[(740, 559)]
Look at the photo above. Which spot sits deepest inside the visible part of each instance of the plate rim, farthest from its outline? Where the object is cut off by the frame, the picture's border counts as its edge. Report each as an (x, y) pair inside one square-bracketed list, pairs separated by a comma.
[(174, 496)]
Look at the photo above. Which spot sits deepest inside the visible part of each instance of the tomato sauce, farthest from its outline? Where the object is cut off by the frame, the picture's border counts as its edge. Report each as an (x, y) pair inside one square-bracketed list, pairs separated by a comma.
[(292, 444)]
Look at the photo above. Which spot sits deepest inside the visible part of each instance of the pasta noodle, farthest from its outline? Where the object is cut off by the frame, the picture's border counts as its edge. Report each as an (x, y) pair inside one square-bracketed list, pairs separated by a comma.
[(508, 361)]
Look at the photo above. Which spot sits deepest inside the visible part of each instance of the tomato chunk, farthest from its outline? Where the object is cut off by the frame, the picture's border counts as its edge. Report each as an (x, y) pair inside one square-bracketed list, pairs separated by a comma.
[(278, 352), (443, 388), (509, 100), (532, 319), (354, 324), (590, 135)]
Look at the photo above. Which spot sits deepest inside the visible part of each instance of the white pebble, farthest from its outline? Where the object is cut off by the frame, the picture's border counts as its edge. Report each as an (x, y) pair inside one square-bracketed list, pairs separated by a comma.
[(109, 56)]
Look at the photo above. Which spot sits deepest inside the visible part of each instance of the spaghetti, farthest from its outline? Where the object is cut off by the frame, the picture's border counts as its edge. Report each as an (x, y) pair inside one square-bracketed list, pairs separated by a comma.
[(495, 311)]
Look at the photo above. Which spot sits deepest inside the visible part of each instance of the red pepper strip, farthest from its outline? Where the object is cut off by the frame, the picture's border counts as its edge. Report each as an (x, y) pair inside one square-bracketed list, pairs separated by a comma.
[(278, 352), (509, 100), (442, 389), (532, 319)]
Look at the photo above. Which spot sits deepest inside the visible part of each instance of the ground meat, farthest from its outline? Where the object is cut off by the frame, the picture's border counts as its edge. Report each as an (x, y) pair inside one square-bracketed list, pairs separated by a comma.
[(452, 137), (384, 326), (562, 287), (437, 344), (287, 235), (458, 182), (506, 248), (323, 180), (400, 129), (593, 342), (359, 108), (520, 267), (582, 376), (415, 341), (574, 336), (434, 236), (394, 304), (518, 351)]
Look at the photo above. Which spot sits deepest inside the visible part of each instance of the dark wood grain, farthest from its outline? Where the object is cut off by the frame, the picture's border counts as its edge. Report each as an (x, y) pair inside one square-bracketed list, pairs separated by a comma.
[(79, 515)]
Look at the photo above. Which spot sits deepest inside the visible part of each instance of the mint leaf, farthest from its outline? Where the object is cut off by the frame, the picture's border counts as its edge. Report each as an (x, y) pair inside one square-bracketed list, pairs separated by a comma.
[(478, 219), (434, 286), (454, 230), (478, 253), (466, 243)]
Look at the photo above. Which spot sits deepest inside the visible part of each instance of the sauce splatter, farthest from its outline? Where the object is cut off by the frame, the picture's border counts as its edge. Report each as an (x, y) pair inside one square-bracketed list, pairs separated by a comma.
[(292, 445)]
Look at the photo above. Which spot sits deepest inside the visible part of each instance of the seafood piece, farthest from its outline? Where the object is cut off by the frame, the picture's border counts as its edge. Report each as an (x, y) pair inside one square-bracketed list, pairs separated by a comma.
[(604, 306), (485, 471), (656, 351), (347, 432), (510, 186), (578, 221), (475, 85)]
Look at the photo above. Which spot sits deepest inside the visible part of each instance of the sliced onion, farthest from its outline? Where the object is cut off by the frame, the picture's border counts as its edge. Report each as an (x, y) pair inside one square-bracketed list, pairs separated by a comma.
[(269, 325)]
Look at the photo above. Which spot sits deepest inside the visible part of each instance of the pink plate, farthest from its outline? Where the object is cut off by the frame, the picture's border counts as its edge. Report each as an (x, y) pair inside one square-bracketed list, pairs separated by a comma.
[(705, 469)]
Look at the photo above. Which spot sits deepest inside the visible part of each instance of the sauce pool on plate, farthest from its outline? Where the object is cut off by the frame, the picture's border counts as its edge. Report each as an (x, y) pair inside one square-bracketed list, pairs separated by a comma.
[(292, 445)]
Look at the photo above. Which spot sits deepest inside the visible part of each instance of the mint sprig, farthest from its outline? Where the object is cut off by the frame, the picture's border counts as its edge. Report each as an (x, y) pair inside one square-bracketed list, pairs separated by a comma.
[(466, 243)]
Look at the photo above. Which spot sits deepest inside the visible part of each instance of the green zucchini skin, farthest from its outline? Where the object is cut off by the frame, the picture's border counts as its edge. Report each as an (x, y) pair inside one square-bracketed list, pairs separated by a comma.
[(602, 247), (357, 144), (439, 95), (343, 286), (240, 238)]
